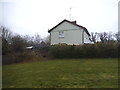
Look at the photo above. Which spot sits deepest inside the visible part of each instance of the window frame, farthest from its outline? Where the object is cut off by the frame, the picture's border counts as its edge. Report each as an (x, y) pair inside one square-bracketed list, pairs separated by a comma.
[(61, 34)]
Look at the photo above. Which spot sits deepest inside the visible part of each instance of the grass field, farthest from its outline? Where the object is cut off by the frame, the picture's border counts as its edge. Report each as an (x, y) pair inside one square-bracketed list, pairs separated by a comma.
[(74, 73)]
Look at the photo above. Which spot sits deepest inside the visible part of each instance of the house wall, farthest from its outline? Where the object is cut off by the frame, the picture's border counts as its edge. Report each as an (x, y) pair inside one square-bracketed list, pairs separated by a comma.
[(72, 34), (86, 38)]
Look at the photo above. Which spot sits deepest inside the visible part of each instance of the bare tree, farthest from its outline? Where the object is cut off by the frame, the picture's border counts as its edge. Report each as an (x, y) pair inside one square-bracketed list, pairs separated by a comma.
[(18, 43), (6, 34), (94, 37), (37, 38), (29, 39), (110, 36), (117, 36), (47, 40), (6, 39), (103, 37)]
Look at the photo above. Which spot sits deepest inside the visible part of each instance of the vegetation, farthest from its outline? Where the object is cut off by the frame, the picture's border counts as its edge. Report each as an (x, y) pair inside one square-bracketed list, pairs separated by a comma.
[(105, 37), (98, 50), (75, 73), (59, 73), (14, 47)]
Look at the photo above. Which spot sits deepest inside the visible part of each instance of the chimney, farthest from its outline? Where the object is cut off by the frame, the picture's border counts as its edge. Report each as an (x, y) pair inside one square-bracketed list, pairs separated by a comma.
[(74, 22)]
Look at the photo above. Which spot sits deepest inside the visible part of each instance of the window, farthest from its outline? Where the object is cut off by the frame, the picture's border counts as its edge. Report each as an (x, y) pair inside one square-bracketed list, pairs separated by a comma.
[(61, 34)]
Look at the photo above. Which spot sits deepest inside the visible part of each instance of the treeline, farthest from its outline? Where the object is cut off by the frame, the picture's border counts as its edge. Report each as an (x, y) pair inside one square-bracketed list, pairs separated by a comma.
[(16, 48), (98, 50), (105, 37), (17, 43)]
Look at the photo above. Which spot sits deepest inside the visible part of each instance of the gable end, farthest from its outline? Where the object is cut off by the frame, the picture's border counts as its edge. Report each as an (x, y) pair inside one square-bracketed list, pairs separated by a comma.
[(74, 23)]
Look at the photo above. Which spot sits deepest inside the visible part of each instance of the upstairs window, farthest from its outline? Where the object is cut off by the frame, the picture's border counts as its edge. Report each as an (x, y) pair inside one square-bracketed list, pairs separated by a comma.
[(61, 34)]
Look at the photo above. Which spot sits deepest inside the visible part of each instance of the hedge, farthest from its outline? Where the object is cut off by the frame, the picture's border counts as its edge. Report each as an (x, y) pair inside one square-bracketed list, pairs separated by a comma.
[(98, 50)]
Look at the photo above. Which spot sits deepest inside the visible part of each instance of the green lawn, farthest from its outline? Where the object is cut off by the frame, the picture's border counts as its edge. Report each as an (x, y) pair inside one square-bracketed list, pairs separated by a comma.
[(74, 73)]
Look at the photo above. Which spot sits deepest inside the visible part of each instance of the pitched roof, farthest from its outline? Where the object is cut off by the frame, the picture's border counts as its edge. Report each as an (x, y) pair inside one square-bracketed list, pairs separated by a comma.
[(74, 23)]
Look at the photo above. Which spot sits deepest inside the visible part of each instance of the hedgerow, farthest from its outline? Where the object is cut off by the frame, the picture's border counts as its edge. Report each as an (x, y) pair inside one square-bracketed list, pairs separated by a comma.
[(98, 50)]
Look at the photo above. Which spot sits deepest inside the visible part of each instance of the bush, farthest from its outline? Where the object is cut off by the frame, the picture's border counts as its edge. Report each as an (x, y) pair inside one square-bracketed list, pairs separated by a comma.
[(98, 50), (27, 56)]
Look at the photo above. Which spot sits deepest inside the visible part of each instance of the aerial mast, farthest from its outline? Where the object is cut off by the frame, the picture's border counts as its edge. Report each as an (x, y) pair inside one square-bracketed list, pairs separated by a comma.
[(70, 13)]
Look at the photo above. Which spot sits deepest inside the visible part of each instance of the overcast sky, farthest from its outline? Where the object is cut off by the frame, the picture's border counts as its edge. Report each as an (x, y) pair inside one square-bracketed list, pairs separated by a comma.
[(37, 16)]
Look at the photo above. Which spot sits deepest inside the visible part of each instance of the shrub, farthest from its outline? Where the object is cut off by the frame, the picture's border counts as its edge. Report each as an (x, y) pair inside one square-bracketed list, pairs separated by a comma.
[(98, 50)]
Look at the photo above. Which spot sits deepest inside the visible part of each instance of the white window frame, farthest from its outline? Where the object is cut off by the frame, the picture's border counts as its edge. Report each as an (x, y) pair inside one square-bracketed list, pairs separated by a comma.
[(61, 34)]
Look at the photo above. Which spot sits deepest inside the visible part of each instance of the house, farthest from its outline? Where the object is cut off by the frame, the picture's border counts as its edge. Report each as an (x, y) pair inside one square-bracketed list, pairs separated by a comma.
[(69, 32)]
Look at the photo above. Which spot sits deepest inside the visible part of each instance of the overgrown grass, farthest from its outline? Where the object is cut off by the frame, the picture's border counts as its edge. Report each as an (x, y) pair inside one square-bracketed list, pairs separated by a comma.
[(74, 73)]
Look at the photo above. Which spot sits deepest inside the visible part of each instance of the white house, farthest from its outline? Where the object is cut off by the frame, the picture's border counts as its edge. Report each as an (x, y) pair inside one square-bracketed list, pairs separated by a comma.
[(69, 32)]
